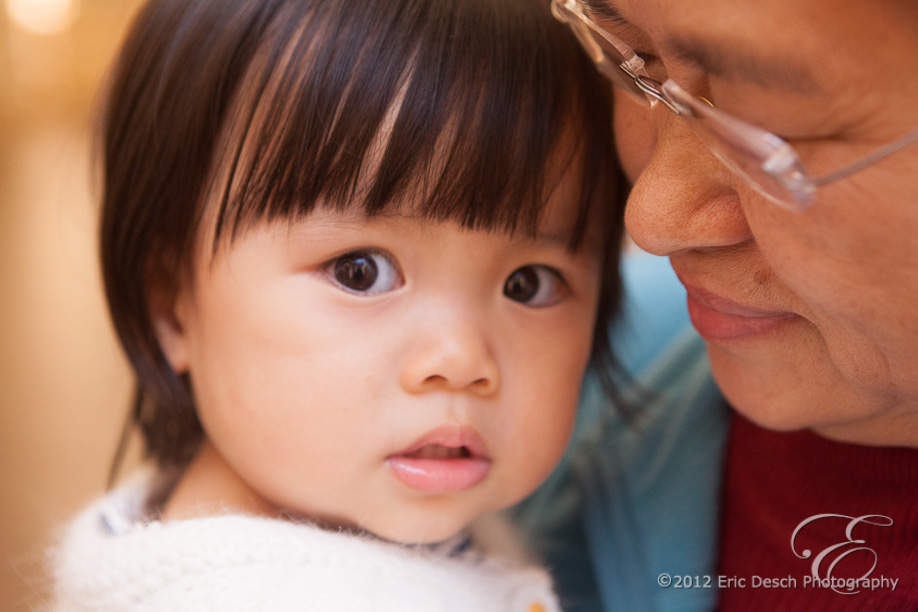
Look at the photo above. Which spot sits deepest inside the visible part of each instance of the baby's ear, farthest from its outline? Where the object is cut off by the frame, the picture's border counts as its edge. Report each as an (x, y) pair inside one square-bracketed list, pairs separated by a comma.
[(169, 311)]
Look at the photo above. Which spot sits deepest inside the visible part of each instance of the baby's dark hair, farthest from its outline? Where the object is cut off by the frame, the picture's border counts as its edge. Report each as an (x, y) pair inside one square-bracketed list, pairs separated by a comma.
[(264, 109)]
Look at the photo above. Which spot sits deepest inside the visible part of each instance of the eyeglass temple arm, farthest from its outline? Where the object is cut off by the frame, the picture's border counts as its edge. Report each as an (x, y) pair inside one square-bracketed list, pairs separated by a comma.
[(873, 157)]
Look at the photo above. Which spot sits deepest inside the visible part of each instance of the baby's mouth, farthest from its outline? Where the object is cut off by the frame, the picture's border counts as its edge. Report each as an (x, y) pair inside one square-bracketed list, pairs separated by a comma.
[(438, 451), (447, 460)]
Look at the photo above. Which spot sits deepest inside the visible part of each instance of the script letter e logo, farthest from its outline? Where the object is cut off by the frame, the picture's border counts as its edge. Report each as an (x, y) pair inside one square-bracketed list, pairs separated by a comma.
[(850, 544)]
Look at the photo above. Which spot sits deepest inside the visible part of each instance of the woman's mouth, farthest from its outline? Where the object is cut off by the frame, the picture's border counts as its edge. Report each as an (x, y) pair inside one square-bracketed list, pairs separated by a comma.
[(447, 460), (719, 319)]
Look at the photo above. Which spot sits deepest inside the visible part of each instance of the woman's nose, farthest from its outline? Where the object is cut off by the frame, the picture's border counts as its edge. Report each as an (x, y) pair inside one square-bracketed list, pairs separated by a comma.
[(450, 351), (684, 198)]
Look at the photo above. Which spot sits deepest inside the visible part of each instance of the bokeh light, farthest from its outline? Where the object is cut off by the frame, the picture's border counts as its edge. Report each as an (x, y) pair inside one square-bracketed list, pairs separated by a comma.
[(46, 17)]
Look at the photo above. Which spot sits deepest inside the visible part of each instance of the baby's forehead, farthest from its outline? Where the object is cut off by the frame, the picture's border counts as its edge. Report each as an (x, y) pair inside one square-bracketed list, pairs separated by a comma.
[(556, 227)]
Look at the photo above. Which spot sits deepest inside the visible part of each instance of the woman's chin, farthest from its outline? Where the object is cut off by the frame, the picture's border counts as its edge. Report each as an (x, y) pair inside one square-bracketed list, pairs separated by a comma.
[(778, 398)]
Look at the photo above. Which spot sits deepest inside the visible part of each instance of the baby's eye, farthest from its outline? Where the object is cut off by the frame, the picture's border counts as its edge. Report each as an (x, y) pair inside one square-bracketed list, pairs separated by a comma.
[(535, 286), (367, 272)]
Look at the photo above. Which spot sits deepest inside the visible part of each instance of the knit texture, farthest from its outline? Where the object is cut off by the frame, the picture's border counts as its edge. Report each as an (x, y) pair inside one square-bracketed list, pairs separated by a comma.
[(109, 561), (777, 480)]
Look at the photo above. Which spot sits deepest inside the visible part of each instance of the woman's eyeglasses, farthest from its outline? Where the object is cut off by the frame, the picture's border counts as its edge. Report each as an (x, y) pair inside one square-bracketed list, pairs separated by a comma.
[(762, 159)]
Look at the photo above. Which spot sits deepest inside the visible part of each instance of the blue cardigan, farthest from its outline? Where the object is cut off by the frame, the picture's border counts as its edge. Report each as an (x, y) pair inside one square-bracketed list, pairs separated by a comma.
[(634, 500)]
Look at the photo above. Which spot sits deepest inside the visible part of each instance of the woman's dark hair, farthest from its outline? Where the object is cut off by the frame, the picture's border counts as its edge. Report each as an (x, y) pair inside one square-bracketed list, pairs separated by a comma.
[(265, 109)]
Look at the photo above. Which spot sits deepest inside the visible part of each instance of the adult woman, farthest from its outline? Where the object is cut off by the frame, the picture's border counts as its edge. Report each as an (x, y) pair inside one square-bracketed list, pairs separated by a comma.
[(799, 265)]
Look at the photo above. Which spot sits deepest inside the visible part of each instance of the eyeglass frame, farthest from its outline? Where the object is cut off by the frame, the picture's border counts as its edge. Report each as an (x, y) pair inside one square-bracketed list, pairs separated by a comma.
[(778, 159)]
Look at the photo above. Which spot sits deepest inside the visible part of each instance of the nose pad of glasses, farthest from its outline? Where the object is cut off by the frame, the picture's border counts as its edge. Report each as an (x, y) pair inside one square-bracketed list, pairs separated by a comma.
[(557, 12)]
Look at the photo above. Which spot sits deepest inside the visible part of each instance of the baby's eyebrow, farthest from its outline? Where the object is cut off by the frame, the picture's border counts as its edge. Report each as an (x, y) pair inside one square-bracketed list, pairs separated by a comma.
[(554, 238), (550, 237)]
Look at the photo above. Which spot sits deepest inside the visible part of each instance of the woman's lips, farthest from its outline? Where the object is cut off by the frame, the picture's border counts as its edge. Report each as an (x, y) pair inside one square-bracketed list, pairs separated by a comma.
[(447, 460), (718, 319)]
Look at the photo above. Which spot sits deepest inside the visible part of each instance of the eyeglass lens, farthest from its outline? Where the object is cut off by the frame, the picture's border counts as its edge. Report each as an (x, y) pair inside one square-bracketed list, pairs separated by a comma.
[(765, 160)]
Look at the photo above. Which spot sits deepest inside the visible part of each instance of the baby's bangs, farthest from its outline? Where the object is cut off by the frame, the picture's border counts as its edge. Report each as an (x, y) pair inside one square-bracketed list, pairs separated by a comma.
[(461, 110)]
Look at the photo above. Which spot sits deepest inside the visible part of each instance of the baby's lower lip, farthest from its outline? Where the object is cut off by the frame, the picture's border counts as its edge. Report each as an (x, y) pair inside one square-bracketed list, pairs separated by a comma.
[(435, 476)]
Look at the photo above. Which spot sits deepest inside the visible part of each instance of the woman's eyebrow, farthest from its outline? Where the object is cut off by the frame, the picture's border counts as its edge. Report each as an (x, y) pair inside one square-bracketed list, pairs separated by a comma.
[(606, 11), (731, 60), (735, 60)]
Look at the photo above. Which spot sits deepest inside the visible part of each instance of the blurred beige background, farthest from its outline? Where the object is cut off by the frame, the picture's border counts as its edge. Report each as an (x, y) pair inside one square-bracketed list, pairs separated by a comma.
[(64, 386)]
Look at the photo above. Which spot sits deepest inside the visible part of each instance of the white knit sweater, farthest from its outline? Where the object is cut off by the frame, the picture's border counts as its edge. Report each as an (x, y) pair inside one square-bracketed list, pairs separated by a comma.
[(110, 561)]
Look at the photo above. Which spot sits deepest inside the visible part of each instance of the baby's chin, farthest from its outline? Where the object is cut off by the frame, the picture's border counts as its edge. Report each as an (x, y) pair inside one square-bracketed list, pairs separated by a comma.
[(432, 532), (407, 539), (432, 528)]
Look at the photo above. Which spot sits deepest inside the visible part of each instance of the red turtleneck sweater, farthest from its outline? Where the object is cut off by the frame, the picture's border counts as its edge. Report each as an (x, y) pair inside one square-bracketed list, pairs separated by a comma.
[(777, 483)]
